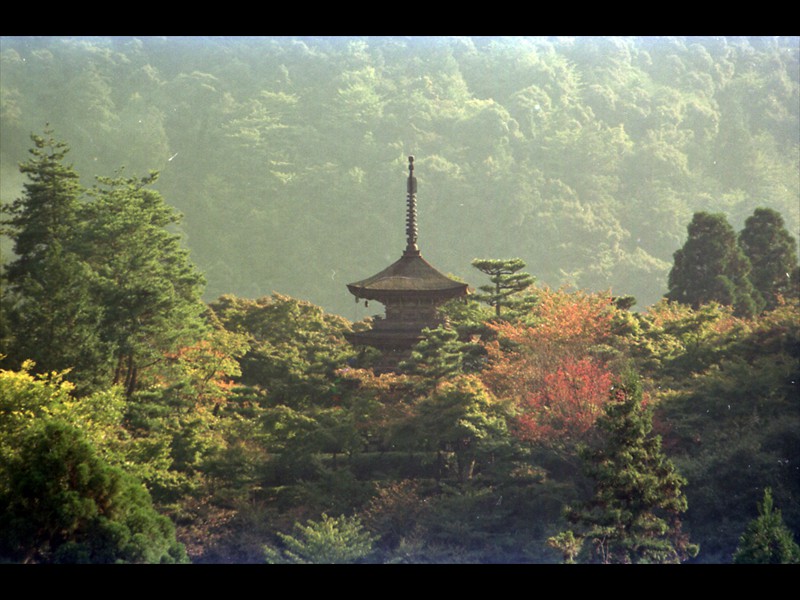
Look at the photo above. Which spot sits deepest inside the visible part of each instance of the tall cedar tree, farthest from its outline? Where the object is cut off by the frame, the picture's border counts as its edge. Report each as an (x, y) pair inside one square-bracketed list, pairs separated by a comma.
[(711, 267), (150, 290), (772, 252), (48, 307), (507, 284), (634, 514)]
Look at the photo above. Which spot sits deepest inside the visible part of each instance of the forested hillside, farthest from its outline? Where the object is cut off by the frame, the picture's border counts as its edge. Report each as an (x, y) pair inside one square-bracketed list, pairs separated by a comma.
[(623, 386), (585, 157)]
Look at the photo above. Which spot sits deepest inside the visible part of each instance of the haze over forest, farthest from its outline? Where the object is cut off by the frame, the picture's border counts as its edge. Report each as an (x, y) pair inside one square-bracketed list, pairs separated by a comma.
[(193, 389), (585, 157)]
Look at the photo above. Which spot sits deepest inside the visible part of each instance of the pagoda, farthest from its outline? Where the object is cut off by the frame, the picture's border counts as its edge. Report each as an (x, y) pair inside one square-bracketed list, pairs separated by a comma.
[(410, 289)]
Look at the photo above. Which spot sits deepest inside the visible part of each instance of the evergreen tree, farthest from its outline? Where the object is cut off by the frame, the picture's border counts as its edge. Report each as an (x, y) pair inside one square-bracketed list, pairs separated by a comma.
[(437, 355), (52, 316), (767, 539), (772, 252), (711, 267), (462, 418), (340, 540), (150, 290), (60, 502), (100, 287), (507, 284), (633, 516)]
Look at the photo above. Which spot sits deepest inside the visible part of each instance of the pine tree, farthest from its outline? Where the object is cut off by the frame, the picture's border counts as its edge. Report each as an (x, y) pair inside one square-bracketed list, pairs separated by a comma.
[(52, 317), (507, 284), (633, 516), (437, 355), (767, 539), (340, 540), (711, 267), (150, 290), (100, 286), (62, 503), (772, 252)]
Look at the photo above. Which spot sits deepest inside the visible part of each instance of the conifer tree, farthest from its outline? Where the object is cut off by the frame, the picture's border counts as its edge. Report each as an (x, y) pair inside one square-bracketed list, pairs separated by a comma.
[(711, 267), (99, 286), (633, 516), (772, 252), (508, 283), (340, 540), (48, 308), (437, 355), (767, 539), (150, 290), (62, 503)]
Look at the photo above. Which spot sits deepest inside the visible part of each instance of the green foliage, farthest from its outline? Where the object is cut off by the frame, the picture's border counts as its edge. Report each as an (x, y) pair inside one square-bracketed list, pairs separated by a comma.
[(470, 319), (566, 543), (62, 503), (461, 417), (333, 540), (52, 316), (437, 355), (295, 347), (507, 284), (27, 400), (772, 252), (675, 340), (100, 287), (767, 540), (711, 267), (45, 216), (149, 289), (729, 417), (633, 516)]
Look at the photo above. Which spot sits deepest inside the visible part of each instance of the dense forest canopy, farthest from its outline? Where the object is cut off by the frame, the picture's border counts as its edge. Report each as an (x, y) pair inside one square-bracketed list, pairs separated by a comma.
[(181, 217), (585, 156)]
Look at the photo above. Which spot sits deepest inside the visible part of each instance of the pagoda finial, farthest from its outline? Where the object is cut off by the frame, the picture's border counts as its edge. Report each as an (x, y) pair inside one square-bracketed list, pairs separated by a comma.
[(411, 215)]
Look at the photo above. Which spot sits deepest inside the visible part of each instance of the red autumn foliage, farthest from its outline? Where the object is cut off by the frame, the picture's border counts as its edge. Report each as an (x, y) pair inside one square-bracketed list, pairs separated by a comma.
[(567, 403), (546, 366)]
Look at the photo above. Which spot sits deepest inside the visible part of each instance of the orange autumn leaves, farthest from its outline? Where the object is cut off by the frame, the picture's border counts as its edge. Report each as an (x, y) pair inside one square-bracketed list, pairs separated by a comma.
[(550, 365), (567, 404)]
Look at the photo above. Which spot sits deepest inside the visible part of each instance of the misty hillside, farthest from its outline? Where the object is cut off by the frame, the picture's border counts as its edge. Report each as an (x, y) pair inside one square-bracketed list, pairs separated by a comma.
[(585, 157)]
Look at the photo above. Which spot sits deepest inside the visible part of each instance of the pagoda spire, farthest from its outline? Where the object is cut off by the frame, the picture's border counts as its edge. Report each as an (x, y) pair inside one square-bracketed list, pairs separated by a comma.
[(411, 289), (411, 215)]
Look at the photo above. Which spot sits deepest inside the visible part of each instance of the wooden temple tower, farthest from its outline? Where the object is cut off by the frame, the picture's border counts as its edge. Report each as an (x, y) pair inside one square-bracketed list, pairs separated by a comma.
[(410, 289)]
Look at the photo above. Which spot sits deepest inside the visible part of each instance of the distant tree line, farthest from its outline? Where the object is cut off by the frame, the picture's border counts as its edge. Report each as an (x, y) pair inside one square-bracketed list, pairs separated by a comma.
[(585, 157), (140, 423)]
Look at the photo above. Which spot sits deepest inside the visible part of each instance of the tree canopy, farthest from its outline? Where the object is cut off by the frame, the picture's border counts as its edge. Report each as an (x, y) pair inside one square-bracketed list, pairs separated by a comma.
[(585, 157), (146, 417), (712, 267), (772, 252)]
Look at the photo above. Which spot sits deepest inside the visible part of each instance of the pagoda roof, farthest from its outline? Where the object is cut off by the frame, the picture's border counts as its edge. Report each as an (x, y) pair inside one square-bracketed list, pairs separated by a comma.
[(410, 277)]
